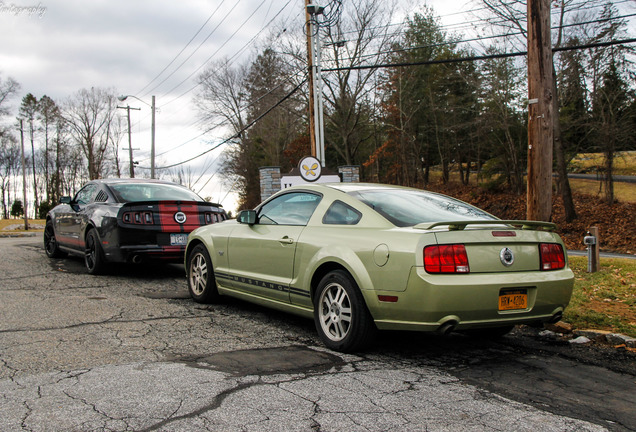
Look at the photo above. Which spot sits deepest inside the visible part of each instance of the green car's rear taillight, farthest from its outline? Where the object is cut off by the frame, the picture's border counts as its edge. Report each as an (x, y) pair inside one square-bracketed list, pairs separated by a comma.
[(446, 259)]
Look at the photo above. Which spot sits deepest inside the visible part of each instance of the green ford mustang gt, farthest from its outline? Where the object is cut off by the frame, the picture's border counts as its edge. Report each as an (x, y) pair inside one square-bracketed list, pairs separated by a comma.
[(361, 257)]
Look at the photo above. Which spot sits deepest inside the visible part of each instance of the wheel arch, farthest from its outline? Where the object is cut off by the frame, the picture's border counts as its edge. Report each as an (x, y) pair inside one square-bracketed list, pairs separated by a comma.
[(191, 245)]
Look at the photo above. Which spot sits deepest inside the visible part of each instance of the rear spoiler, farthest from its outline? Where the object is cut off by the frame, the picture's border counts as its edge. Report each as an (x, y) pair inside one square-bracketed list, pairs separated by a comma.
[(517, 224)]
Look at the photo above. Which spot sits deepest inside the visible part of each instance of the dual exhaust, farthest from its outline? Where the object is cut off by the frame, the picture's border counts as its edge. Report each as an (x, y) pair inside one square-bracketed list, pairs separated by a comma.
[(449, 326)]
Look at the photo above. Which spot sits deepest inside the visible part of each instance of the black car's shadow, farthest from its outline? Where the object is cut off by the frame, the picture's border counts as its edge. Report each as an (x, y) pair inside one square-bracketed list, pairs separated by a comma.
[(147, 270)]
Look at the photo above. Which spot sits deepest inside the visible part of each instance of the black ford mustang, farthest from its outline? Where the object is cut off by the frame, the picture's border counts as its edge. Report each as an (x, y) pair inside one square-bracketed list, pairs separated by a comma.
[(126, 220)]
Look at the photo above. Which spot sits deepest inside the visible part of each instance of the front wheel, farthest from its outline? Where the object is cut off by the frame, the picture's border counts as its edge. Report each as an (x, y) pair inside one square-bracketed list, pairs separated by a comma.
[(341, 315), (51, 247), (201, 281), (93, 254)]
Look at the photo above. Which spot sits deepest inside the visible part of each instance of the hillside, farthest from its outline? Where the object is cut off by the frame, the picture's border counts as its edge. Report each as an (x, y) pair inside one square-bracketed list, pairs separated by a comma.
[(616, 223)]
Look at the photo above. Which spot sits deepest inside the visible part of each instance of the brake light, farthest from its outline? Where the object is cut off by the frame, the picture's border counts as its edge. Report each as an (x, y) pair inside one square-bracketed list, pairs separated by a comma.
[(446, 259), (138, 218), (552, 256)]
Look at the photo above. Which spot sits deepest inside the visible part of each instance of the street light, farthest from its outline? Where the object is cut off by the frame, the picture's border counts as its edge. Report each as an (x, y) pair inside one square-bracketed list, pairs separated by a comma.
[(152, 139)]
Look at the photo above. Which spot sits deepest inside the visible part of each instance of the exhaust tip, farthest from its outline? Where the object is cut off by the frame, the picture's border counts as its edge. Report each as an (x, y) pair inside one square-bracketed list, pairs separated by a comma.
[(136, 259), (556, 317), (447, 327)]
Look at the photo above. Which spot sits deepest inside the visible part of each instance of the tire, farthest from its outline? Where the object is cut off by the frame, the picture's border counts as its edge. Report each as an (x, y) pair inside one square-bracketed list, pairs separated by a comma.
[(93, 254), (51, 247), (341, 315), (201, 281)]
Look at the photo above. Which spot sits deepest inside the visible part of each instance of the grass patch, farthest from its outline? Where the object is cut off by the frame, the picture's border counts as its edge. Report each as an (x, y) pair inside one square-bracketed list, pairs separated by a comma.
[(34, 224), (623, 192), (605, 300), (624, 163)]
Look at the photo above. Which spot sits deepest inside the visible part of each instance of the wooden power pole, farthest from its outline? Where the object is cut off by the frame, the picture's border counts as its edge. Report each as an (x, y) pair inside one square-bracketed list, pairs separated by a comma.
[(540, 111)]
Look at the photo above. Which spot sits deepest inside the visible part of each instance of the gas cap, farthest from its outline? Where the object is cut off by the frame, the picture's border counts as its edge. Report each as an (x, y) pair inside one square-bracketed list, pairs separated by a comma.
[(381, 255)]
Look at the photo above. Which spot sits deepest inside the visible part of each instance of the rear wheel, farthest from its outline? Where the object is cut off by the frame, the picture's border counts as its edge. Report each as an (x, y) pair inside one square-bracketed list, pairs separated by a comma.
[(341, 315), (93, 254), (201, 281), (51, 247)]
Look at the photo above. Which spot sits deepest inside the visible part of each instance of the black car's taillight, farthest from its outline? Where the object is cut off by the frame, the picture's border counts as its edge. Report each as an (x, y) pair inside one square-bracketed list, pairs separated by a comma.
[(138, 218), (446, 259), (552, 256)]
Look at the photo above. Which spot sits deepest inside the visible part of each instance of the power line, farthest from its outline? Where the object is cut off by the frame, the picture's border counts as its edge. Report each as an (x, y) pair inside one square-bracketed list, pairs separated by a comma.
[(475, 58), (201, 44), (238, 134), (183, 49), (229, 60)]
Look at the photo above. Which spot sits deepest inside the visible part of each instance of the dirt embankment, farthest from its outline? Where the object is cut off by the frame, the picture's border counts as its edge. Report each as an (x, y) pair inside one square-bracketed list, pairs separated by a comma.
[(616, 223)]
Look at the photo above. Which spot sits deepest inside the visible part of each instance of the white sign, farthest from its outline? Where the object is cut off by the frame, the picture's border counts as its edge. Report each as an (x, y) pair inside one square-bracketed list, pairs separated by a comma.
[(289, 181)]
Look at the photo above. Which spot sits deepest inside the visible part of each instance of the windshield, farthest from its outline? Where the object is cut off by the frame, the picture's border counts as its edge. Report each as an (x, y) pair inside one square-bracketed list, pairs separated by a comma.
[(404, 207), (152, 192)]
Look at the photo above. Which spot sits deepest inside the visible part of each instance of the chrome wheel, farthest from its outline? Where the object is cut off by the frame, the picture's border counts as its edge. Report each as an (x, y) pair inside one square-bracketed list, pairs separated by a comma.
[(340, 313), (335, 312), (201, 281), (198, 274)]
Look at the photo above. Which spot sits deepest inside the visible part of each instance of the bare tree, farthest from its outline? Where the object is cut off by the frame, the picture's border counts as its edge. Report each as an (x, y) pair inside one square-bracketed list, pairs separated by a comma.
[(90, 114), (9, 166), (360, 37), (47, 114), (28, 109), (8, 89)]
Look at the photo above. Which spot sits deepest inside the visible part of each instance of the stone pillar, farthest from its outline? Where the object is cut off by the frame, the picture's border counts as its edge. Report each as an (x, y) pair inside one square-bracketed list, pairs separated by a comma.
[(349, 173), (270, 181)]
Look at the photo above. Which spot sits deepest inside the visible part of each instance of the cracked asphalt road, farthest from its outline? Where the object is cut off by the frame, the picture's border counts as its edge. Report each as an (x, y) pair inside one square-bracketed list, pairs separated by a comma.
[(130, 351)]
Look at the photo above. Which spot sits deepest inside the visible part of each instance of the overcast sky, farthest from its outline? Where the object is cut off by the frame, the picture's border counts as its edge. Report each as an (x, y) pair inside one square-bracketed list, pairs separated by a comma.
[(57, 47)]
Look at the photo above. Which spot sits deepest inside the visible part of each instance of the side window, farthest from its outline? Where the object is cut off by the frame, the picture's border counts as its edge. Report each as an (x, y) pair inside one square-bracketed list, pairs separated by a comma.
[(340, 213), (293, 208), (86, 194)]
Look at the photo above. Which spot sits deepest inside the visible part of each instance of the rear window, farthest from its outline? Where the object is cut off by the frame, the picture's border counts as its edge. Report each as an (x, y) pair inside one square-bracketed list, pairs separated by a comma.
[(403, 207), (152, 192)]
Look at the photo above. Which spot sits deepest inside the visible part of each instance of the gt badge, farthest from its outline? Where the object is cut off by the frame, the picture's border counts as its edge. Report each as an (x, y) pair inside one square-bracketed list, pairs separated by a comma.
[(507, 257), (180, 217)]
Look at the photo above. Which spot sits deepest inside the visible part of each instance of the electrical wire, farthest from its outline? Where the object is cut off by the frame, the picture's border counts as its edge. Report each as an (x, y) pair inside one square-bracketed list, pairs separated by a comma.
[(238, 134), (182, 49)]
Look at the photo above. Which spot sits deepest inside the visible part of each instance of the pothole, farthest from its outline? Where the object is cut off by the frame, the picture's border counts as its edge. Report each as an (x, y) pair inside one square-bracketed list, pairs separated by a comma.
[(268, 361)]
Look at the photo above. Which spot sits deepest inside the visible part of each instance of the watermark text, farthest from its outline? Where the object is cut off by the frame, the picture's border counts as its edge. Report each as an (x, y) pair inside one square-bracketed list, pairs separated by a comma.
[(15, 10)]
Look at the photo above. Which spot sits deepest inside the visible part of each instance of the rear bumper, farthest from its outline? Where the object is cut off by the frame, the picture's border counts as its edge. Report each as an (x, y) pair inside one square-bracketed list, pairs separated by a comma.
[(139, 253), (125, 245), (462, 302)]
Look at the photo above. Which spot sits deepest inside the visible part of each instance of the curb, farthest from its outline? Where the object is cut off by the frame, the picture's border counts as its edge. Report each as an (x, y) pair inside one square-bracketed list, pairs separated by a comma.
[(19, 234)]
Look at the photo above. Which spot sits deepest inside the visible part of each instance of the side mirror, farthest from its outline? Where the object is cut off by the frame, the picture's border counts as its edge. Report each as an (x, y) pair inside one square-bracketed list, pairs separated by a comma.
[(65, 200), (247, 217)]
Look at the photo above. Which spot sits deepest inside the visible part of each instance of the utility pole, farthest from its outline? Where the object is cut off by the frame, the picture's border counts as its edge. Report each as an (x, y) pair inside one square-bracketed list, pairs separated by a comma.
[(310, 67), (24, 193), (152, 132), (540, 112), (130, 148), (316, 126), (152, 141)]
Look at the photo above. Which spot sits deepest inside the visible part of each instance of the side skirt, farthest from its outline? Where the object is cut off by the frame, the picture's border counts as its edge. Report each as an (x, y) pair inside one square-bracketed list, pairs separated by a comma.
[(270, 303)]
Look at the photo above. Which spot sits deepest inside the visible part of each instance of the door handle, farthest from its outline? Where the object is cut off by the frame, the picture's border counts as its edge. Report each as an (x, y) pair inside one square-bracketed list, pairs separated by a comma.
[(286, 240)]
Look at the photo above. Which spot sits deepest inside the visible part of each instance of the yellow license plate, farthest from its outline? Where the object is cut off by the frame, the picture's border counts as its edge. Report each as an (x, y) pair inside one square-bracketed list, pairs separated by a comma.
[(511, 300)]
